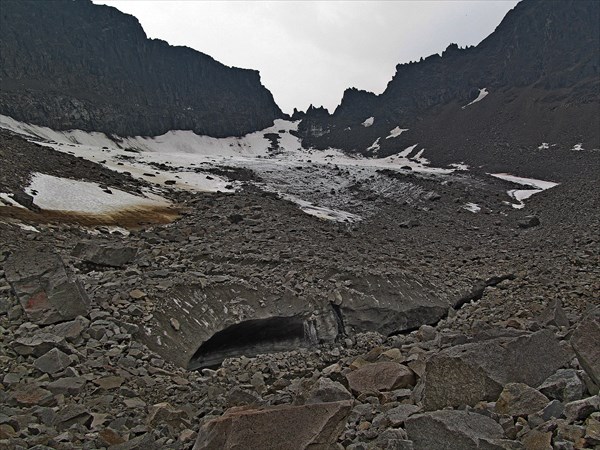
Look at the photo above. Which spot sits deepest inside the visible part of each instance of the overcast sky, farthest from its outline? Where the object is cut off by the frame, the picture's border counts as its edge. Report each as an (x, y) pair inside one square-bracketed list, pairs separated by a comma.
[(310, 52)]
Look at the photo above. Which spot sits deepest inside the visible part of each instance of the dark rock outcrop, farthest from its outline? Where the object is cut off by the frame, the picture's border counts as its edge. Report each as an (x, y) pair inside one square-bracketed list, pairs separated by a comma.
[(66, 65), (539, 67)]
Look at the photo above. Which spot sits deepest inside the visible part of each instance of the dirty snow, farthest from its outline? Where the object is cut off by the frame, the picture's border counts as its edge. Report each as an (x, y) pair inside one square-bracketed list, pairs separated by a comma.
[(482, 94), (186, 158), (396, 132)]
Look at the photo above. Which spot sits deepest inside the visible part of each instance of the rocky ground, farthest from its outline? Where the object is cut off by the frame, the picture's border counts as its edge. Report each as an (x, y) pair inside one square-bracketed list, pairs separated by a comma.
[(511, 363)]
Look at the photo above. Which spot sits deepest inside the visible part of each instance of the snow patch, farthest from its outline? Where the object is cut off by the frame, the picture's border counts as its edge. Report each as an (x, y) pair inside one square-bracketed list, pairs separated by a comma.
[(335, 215), (396, 132), (24, 227), (368, 122), (375, 146), (473, 207), (482, 94), (522, 194), (459, 166), (63, 194)]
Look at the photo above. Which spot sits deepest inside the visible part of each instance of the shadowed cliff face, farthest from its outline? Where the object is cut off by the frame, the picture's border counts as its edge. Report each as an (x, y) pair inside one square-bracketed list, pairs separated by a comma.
[(540, 68), (67, 64)]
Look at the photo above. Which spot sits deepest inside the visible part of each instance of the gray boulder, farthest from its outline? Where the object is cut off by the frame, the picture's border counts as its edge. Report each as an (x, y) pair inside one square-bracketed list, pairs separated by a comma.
[(52, 362), (564, 385), (451, 430), (326, 390), (380, 376), (585, 342), (278, 427), (518, 399), (470, 373), (47, 292)]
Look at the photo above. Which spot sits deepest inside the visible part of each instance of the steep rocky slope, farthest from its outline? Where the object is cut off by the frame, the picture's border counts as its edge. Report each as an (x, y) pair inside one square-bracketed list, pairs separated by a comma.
[(66, 65), (540, 70)]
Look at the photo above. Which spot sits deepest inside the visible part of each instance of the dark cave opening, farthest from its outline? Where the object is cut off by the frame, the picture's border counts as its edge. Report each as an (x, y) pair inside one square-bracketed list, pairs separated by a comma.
[(251, 338)]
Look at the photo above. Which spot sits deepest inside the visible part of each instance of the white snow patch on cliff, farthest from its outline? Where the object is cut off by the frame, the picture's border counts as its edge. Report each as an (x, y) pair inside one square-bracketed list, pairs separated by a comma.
[(519, 195), (374, 146), (368, 122), (482, 94), (396, 132), (473, 207)]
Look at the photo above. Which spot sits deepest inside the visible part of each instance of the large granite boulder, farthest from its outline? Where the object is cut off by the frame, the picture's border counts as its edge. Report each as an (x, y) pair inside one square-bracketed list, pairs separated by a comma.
[(586, 343), (47, 291), (281, 427), (470, 373), (452, 430)]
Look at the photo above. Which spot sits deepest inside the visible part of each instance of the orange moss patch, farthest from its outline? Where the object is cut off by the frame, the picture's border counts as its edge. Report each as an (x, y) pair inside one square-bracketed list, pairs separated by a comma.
[(134, 217)]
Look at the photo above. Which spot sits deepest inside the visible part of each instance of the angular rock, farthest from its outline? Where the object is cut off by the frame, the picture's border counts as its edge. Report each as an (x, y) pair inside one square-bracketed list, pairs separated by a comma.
[(279, 427), (47, 292), (585, 341), (164, 413), (518, 399), (326, 390), (537, 440), (388, 305), (31, 395), (71, 330), (553, 315), (564, 385), (38, 345), (105, 255), (52, 362), (67, 386), (381, 376), (110, 382), (529, 222), (398, 415), (581, 409), (72, 414), (446, 430), (470, 373)]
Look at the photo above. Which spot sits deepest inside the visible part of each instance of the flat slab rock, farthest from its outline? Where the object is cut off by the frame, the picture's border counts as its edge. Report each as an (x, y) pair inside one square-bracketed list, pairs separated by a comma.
[(105, 255), (470, 373), (46, 290), (281, 427), (453, 430)]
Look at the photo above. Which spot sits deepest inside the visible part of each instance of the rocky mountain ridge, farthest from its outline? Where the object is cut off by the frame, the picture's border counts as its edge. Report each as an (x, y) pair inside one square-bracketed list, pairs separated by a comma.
[(539, 67), (76, 65)]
